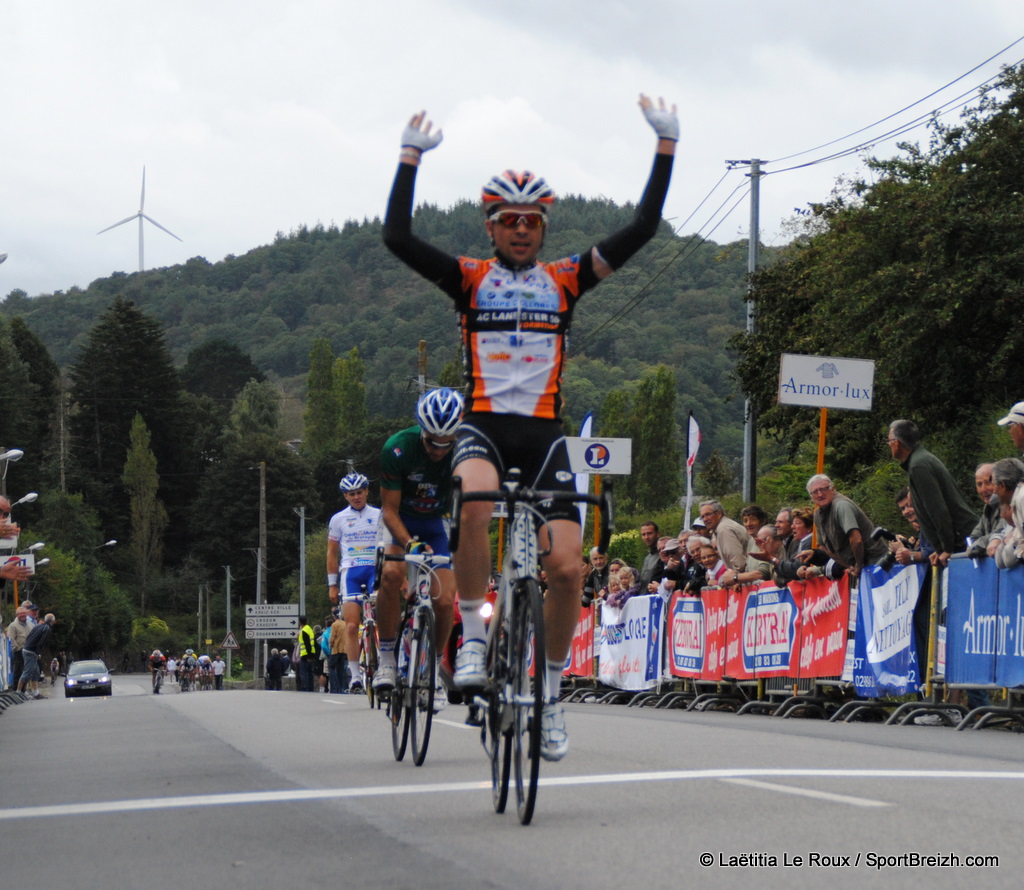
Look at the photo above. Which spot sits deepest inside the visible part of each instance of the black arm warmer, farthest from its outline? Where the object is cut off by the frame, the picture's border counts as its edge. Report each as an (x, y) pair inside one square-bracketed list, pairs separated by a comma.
[(621, 245), (424, 258)]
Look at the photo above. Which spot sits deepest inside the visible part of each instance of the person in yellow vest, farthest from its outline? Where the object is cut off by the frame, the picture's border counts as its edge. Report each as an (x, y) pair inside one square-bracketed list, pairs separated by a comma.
[(307, 655)]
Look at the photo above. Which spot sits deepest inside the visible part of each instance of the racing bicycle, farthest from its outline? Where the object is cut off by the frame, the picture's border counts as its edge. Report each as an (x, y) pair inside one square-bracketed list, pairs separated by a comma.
[(411, 701), (509, 709)]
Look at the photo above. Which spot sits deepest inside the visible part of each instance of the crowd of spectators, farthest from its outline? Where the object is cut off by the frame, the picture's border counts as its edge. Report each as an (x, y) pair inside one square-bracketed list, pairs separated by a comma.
[(717, 550)]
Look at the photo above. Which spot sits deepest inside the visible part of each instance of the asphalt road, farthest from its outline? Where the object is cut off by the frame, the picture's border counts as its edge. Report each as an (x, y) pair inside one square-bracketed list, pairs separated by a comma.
[(284, 790)]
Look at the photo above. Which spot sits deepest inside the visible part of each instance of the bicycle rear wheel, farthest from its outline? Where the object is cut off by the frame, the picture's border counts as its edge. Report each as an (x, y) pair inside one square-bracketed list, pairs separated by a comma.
[(422, 677), (498, 737), (527, 630), (369, 660)]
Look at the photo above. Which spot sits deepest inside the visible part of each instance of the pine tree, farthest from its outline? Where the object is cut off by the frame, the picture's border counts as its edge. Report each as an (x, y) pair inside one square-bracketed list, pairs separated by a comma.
[(320, 423), (125, 369), (148, 516)]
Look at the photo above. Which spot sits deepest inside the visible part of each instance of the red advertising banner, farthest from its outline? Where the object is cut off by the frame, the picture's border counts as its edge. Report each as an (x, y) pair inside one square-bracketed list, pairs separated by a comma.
[(697, 635), (760, 631), (825, 612), (581, 654)]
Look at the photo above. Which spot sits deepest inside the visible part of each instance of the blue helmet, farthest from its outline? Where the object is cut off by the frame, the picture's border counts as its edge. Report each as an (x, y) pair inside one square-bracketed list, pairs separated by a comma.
[(439, 411), (354, 482)]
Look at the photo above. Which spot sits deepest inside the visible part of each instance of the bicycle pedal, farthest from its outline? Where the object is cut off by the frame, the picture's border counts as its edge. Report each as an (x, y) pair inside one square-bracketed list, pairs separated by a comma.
[(475, 717)]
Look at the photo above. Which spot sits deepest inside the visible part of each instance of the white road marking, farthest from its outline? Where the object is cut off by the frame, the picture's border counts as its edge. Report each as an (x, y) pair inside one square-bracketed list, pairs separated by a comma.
[(303, 794), (809, 792)]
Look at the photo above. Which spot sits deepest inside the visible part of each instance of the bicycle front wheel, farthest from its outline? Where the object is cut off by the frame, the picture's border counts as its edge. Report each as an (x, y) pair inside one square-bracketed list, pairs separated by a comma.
[(527, 630), (398, 716), (422, 677), (499, 738)]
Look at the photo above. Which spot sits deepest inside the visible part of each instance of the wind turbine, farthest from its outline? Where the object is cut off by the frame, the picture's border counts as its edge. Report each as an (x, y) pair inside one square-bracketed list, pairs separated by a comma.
[(140, 216)]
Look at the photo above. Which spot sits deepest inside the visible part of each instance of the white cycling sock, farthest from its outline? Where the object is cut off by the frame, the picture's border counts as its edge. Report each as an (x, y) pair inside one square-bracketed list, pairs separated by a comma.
[(386, 651), (554, 680), (473, 625)]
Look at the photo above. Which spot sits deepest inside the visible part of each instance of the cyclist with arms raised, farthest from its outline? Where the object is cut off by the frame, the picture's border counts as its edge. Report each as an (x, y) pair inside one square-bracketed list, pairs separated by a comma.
[(415, 495), (351, 551), (515, 314)]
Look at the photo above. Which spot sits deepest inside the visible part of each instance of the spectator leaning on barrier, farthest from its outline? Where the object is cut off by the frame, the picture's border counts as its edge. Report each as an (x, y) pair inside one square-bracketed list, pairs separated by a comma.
[(844, 534), (945, 518), (988, 534), (909, 550), (771, 549), (756, 569), (1007, 477), (728, 536), (1014, 422)]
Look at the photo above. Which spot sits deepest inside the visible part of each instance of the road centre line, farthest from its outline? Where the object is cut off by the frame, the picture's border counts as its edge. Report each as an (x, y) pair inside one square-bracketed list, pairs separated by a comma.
[(310, 794), (809, 792)]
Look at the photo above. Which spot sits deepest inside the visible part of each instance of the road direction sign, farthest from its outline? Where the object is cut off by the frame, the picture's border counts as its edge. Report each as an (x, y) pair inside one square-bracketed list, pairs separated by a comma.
[(271, 621)]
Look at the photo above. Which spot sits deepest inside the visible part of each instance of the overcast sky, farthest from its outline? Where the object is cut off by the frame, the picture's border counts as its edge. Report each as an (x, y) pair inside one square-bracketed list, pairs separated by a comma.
[(258, 116)]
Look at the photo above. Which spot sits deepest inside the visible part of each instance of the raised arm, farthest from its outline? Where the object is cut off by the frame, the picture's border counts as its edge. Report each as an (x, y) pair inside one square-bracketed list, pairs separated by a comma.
[(612, 252), (424, 258)]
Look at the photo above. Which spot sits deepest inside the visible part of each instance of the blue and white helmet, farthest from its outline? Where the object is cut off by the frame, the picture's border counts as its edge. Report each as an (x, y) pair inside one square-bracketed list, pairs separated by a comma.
[(353, 482), (439, 411)]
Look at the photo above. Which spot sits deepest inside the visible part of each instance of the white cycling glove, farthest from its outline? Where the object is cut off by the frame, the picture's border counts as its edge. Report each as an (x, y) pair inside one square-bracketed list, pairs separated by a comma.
[(417, 134), (664, 121)]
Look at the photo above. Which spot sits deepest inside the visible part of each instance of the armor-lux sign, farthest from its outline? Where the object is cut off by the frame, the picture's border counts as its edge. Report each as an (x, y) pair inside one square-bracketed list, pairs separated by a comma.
[(822, 381)]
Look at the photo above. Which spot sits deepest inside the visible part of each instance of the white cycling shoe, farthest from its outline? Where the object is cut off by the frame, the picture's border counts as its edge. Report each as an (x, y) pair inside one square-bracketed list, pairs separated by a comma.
[(384, 679), (554, 739), (471, 665), (440, 692)]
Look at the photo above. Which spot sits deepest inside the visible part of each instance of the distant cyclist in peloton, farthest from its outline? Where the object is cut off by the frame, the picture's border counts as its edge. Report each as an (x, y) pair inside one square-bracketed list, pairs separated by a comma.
[(515, 314), (351, 551), (415, 495)]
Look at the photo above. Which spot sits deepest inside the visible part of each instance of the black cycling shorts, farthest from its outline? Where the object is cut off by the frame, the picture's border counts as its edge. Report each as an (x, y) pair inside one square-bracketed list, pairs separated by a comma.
[(534, 446)]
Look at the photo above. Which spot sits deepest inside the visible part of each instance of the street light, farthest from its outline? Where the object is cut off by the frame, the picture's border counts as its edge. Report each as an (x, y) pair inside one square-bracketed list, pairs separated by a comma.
[(111, 543), (30, 498), (11, 454)]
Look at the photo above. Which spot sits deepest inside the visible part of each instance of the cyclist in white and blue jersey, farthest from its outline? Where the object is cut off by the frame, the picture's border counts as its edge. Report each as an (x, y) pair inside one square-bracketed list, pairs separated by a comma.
[(351, 551)]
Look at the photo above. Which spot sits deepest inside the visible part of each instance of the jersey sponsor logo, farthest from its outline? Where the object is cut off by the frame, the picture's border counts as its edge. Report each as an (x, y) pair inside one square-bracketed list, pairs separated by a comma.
[(397, 451), (499, 356)]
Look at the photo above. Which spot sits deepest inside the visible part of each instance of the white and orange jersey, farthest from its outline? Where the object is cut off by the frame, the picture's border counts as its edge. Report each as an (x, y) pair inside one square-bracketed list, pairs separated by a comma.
[(514, 325)]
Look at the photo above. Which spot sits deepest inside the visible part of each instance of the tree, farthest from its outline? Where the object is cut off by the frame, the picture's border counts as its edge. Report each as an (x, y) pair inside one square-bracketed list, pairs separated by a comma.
[(349, 383), (125, 369), (37, 425), (226, 514), (219, 369), (320, 423), (717, 477), (646, 416), (257, 410), (148, 516), (921, 271)]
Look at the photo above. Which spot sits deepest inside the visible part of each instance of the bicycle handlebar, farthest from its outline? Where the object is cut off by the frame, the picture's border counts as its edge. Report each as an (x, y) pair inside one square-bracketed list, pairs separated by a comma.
[(511, 493), (430, 560)]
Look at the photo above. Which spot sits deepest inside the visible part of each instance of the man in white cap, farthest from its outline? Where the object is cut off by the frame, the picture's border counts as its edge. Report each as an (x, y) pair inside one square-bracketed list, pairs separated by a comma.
[(1015, 421)]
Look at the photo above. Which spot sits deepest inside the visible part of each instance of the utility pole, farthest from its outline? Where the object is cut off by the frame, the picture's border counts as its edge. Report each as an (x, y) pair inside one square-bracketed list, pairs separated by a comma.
[(302, 559), (261, 564), (227, 613), (421, 380), (753, 260)]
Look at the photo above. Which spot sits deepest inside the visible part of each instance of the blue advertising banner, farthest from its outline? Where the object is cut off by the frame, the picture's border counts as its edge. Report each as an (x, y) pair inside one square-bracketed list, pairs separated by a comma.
[(972, 621), (885, 656), (1009, 629)]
